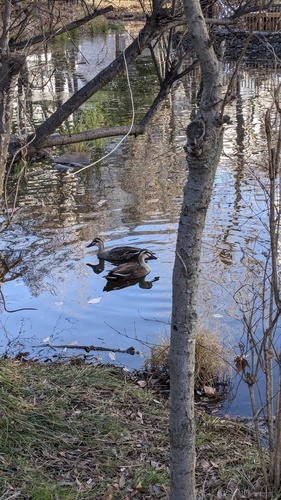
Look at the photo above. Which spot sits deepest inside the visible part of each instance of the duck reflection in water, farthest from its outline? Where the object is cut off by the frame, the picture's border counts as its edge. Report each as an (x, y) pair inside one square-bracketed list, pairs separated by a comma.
[(97, 268), (128, 273), (119, 284)]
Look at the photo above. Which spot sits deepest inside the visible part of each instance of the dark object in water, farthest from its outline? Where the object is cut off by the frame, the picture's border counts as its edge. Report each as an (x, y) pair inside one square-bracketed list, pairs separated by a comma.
[(118, 254), (132, 270)]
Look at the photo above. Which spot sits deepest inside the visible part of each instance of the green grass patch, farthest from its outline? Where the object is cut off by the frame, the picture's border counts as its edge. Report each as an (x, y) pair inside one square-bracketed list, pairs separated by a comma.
[(71, 431), (68, 431)]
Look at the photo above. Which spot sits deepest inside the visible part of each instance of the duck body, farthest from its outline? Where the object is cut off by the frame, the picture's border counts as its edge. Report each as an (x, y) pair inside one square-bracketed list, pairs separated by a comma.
[(116, 254), (132, 270)]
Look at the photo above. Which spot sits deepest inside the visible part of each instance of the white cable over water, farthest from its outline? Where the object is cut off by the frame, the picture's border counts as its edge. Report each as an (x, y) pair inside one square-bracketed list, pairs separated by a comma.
[(130, 128)]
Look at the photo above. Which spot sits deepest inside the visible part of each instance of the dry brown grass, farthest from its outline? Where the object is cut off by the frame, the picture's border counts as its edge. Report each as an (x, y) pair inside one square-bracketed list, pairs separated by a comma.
[(212, 359)]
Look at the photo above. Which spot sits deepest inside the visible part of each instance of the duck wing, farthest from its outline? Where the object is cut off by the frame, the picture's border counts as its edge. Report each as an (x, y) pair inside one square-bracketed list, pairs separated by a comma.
[(122, 254), (121, 272)]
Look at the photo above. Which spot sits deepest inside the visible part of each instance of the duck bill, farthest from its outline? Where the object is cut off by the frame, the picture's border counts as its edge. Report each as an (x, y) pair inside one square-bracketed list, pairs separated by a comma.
[(152, 257)]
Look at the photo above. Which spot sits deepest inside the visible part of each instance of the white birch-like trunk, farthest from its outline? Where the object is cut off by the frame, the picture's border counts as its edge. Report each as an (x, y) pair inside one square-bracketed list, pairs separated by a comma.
[(10, 67), (204, 142)]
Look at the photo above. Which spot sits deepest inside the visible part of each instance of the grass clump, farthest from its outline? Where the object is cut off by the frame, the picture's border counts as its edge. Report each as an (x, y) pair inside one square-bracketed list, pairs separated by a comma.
[(212, 360)]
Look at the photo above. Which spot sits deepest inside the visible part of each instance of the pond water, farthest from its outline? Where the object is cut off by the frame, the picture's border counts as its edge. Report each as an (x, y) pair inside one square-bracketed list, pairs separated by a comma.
[(55, 286)]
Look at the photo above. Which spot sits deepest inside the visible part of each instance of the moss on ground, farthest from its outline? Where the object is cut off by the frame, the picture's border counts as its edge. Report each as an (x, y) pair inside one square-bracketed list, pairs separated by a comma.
[(81, 432)]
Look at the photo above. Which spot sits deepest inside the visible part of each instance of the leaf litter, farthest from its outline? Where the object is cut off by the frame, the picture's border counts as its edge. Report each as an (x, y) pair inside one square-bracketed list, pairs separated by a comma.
[(82, 431)]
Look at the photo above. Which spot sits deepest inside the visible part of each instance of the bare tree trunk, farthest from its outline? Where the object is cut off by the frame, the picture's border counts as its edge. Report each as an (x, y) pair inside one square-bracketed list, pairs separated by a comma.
[(276, 471), (204, 142), (9, 71)]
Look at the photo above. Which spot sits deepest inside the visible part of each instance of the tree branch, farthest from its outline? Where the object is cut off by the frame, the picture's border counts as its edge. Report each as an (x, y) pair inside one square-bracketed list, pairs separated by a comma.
[(91, 135), (154, 26), (59, 31)]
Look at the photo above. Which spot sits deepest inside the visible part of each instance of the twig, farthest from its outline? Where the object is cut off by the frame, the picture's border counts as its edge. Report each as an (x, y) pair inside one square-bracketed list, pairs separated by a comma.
[(15, 310)]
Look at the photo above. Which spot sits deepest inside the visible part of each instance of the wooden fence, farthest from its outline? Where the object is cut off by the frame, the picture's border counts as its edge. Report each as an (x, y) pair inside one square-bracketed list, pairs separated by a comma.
[(263, 21)]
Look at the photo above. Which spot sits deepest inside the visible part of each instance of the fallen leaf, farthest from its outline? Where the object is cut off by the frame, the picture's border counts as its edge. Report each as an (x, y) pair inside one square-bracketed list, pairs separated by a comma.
[(153, 381), (141, 489), (101, 202), (209, 391), (108, 495), (76, 413), (155, 489), (156, 465), (142, 383), (122, 482), (95, 300), (139, 414), (205, 464)]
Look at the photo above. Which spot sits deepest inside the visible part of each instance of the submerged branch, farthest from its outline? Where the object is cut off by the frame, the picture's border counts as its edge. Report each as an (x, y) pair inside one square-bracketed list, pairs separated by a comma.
[(131, 350), (90, 135)]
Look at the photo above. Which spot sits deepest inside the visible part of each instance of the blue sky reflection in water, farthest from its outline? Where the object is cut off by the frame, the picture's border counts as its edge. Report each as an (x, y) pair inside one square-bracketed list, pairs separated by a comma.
[(133, 198)]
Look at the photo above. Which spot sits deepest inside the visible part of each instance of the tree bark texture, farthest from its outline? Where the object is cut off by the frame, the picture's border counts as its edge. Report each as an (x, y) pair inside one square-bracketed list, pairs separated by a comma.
[(10, 68), (204, 143), (9, 71)]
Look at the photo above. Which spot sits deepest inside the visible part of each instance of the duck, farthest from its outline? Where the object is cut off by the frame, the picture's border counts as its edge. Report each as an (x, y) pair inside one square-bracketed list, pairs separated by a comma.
[(132, 270), (116, 254)]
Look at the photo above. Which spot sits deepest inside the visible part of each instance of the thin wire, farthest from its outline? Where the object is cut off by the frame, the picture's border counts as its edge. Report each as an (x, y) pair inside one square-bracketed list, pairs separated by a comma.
[(129, 131)]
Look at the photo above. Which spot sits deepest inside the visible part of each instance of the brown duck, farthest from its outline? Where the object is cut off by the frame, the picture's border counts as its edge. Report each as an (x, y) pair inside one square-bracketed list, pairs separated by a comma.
[(132, 270), (117, 254)]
